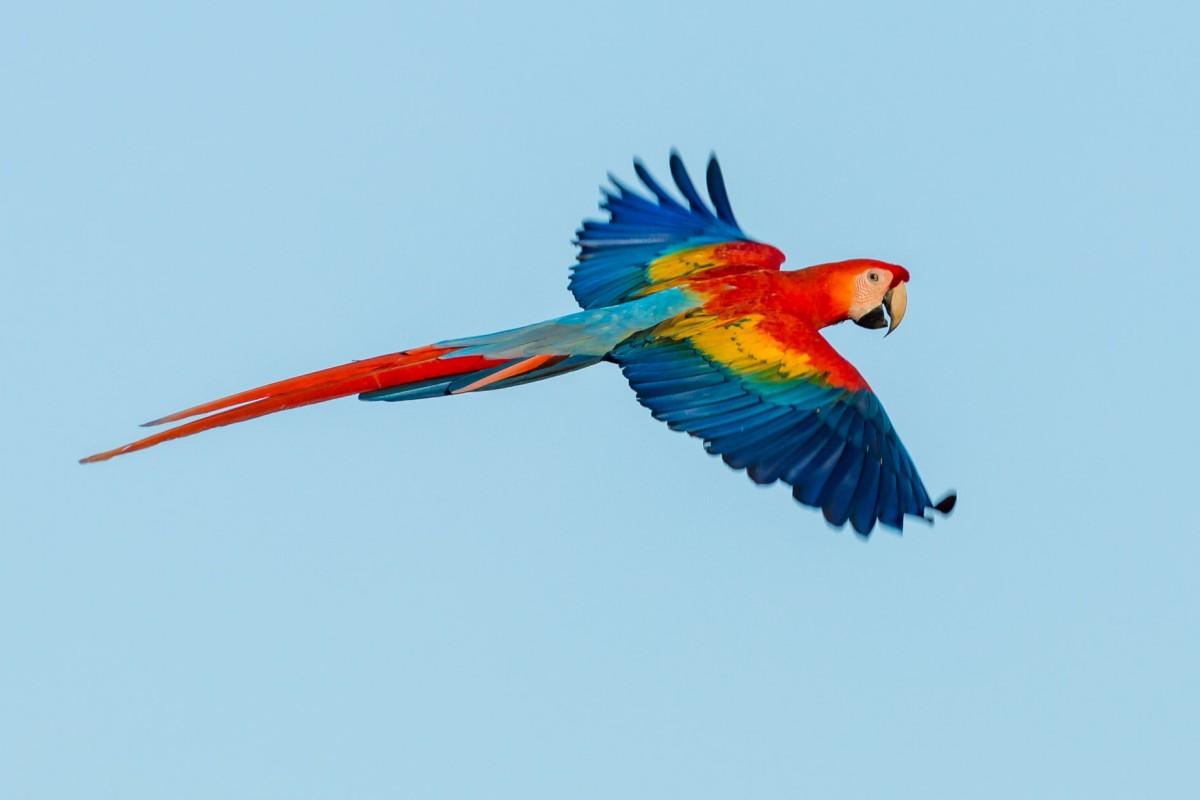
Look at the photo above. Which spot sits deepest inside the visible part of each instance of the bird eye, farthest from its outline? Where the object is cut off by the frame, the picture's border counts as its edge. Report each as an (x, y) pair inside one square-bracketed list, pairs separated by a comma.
[(873, 276)]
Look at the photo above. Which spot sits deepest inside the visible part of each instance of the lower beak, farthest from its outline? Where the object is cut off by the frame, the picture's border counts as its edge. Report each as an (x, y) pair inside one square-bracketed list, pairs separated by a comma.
[(896, 301), (873, 319)]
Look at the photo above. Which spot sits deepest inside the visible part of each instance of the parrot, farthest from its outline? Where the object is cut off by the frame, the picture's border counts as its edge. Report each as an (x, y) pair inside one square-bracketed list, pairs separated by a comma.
[(713, 336)]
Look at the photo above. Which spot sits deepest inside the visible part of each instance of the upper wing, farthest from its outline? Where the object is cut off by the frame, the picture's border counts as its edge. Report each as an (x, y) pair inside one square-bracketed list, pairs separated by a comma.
[(646, 244), (792, 410)]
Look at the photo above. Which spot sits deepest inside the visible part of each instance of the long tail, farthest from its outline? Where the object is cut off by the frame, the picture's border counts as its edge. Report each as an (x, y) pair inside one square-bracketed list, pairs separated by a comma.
[(424, 372), (493, 361)]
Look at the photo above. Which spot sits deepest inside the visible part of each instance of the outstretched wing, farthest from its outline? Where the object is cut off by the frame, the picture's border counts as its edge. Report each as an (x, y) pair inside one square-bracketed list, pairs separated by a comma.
[(649, 244), (793, 411)]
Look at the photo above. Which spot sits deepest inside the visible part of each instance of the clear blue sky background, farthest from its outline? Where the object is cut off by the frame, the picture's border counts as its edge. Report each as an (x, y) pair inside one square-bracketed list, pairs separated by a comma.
[(544, 593)]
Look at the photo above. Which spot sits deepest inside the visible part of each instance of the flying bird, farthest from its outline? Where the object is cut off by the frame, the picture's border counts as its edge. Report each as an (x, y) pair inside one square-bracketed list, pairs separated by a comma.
[(713, 337)]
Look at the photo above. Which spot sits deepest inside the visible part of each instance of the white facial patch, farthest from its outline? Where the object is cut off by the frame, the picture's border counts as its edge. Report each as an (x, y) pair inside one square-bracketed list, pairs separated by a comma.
[(869, 289)]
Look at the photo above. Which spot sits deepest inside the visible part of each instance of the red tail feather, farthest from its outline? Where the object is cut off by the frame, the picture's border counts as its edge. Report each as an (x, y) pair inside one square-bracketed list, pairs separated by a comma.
[(368, 375)]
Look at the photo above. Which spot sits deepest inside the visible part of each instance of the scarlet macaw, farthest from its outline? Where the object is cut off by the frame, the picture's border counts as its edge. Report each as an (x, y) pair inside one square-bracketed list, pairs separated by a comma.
[(712, 336)]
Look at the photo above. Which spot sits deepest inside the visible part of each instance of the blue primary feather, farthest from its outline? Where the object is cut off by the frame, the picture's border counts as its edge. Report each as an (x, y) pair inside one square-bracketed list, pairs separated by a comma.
[(864, 505), (684, 182), (808, 486), (889, 510), (843, 480), (717, 193), (664, 197)]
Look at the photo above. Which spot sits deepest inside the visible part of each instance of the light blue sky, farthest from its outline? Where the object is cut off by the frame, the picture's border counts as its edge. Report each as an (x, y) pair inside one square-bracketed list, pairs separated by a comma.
[(543, 593)]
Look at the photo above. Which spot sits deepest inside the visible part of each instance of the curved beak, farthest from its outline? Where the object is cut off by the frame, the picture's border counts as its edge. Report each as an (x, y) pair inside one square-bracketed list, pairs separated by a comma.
[(896, 301)]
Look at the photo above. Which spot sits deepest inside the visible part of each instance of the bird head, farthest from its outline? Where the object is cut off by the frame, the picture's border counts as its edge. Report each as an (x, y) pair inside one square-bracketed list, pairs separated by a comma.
[(876, 292)]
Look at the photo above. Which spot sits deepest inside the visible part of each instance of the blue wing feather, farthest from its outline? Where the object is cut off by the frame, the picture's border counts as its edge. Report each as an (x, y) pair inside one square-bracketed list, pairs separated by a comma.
[(664, 197), (809, 485), (684, 182), (614, 254), (864, 509), (717, 193), (835, 447), (843, 480)]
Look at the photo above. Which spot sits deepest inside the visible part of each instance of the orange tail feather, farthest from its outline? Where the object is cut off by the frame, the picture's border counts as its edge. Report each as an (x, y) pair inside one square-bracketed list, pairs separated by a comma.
[(308, 380), (367, 375)]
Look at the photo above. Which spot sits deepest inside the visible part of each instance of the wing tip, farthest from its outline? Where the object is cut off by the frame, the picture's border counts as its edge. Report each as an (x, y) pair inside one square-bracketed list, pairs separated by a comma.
[(944, 507)]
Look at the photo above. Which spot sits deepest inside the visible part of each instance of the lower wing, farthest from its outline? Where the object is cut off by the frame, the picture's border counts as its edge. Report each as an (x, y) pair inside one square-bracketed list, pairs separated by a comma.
[(792, 411)]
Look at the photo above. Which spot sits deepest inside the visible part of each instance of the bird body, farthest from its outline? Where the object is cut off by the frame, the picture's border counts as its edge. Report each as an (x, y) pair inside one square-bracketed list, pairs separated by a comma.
[(713, 337)]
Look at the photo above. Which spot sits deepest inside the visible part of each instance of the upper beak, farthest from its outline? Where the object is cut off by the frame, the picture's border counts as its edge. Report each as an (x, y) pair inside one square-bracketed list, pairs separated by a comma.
[(896, 301)]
